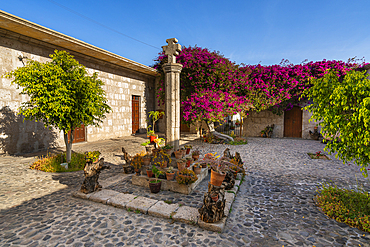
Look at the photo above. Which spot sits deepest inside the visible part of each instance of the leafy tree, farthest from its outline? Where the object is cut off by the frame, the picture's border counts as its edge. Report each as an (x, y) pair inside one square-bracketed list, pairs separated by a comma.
[(342, 103), (62, 94)]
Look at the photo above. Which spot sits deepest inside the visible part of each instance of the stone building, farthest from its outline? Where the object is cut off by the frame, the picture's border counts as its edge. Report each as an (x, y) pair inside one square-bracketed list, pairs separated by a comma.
[(292, 123), (129, 87)]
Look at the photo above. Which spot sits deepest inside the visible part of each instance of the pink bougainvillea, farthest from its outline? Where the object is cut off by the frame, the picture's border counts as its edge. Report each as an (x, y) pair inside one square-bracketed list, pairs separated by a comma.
[(213, 87)]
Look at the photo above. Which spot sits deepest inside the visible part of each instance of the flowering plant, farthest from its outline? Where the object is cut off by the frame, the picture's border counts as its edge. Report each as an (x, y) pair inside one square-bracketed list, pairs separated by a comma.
[(92, 156), (167, 147), (217, 164), (137, 161), (213, 87), (186, 176), (169, 170)]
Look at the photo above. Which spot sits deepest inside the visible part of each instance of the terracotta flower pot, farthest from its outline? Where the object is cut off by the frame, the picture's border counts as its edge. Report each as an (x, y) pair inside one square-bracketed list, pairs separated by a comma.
[(155, 187), (149, 173), (214, 197), (163, 164), (155, 151), (178, 154), (138, 172), (170, 176), (188, 162), (195, 157), (146, 161), (152, 138), (217, 178), (197, 170), (181, 166)]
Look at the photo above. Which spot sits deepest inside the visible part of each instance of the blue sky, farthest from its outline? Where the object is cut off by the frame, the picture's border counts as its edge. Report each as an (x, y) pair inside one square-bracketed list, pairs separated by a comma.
[(248, 32)]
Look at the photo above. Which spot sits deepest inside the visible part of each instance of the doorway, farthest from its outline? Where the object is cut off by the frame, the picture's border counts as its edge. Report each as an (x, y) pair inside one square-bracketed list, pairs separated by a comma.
[(79, 134), (135, 113), (293, 122)]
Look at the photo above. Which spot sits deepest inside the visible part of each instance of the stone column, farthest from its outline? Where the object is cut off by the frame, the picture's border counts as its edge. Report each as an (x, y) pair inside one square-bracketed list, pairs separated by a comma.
[(172, 72)]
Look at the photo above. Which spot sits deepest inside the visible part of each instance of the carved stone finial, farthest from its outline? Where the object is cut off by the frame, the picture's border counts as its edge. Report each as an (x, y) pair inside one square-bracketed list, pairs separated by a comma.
[(172, 49)]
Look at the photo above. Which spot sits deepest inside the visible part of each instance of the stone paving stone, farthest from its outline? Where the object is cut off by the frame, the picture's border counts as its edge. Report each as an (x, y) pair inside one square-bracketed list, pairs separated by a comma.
[(120, 200), (81, 195), (102, 196), (276, 197), (162, 209), (236, 186), (112, 180), (215, 227), (229, 197), (186, 214), (141, 203)]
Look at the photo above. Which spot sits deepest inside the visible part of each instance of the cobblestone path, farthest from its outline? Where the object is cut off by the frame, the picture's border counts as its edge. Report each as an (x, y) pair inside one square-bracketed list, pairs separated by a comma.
[(274, 206)]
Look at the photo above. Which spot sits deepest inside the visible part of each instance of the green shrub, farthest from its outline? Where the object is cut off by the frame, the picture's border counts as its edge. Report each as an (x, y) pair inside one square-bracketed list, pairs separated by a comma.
[(238, 142), (348, 206), (51, 163)]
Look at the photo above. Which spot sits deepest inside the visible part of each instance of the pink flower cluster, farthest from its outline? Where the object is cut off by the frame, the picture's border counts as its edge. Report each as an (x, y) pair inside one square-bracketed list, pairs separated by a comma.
[(213, 87)]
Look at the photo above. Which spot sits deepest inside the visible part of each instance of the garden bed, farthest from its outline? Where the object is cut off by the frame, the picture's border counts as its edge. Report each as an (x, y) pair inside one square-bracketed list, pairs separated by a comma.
[(318, 155)]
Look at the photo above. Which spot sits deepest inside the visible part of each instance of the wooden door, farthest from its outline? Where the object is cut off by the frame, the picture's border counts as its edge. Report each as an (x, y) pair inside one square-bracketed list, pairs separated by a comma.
[(184, 128), (293, 122), (135, 113), (79, 134)]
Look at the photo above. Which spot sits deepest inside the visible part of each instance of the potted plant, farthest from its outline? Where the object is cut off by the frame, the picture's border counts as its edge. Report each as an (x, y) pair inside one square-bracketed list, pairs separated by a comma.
[(178, 154), (187, 148), (181, 163), (155, 184), (214, 196), (159, 142), (92, 157), (188, 161), (152, 136), (237, 122), (136, 162), (197, 168), (146, 159), (155, 115), (163, 164), (219, 167), (183, 151), (170, 174), (149, 172), (167, 148), (186, 176), (195, 154)]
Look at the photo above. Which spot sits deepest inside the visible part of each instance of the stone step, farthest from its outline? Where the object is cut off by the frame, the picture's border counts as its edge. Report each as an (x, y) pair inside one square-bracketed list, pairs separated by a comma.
[(176, 212)]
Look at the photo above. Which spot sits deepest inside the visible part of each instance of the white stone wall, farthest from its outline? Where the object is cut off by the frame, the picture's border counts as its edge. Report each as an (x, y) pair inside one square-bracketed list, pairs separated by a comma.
[(120, 85), (256, 122)]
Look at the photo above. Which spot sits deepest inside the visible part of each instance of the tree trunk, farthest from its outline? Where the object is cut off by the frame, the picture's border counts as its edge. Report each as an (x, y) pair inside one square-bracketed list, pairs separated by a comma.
[(127, 167), (213, 211), (92, 172), (68, 144)]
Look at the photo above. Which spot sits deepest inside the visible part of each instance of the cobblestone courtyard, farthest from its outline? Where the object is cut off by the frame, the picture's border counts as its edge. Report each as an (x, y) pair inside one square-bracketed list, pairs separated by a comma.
[(274, 206)]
